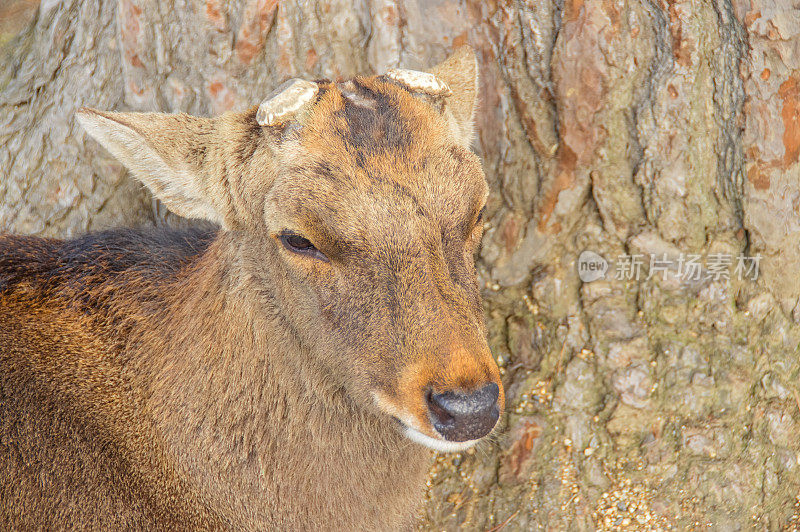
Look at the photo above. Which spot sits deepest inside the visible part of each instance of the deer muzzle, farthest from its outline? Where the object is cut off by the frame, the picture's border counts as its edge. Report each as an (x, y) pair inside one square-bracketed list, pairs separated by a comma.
[(463, 416)]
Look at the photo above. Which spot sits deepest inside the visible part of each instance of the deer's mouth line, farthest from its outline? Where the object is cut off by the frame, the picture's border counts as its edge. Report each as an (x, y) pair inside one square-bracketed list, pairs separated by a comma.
[(435, 443)]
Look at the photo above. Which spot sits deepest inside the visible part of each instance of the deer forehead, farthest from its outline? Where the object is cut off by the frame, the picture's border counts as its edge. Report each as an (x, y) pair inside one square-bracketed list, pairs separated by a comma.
[(362, 190), (366, 154), (361, 133), (369, 131), (368, 117)]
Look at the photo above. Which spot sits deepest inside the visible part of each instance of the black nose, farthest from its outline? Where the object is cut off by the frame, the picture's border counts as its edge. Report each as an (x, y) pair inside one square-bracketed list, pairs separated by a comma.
[(460, 416)]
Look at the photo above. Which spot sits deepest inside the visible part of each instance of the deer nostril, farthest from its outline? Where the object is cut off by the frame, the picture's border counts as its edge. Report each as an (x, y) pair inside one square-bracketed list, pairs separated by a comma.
[(436, 408), (462, 416)]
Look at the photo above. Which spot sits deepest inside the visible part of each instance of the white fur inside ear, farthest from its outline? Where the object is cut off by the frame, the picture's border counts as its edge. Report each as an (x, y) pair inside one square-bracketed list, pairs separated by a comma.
[(172, 183), (463, 132)]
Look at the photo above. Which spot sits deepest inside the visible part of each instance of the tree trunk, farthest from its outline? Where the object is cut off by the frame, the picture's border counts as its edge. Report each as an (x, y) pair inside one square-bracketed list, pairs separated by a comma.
[(665, 132)]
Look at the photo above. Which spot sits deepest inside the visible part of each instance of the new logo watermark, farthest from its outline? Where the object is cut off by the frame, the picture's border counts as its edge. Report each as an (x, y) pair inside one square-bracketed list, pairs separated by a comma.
[(685, 266), (591, 266)]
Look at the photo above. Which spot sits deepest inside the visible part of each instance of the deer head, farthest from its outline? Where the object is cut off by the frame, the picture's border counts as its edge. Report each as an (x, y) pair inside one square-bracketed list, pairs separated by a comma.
[(361, 204)]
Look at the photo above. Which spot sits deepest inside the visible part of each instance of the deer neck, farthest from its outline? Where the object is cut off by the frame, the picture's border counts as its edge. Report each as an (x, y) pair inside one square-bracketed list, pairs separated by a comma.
[(262, 433)]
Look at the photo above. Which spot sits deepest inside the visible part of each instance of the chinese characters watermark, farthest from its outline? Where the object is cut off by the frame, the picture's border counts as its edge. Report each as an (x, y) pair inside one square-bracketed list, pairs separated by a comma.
[(685, 266)]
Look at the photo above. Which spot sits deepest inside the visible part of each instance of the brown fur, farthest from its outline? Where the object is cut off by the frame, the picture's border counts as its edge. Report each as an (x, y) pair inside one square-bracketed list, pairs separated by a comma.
[(188, 380)]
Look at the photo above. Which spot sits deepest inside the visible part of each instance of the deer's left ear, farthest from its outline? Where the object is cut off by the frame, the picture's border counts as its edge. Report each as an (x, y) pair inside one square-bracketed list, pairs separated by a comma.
[(460, 72), (172, 154)]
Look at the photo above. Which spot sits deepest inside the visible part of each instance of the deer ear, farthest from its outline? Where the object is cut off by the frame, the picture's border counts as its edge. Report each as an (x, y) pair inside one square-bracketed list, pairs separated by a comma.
[(460, 72), (166, 152)]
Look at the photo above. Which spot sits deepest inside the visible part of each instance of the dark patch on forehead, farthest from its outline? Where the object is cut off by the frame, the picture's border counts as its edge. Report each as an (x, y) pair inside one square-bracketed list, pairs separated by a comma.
[(402, 190), (334, 174), (361, 159), (197, 153), (329, 172), (374, 122), (319, 169), (325, 170)]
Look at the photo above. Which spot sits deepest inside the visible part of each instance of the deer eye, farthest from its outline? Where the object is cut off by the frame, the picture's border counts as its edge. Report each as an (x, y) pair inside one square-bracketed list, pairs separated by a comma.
[(301, 245)]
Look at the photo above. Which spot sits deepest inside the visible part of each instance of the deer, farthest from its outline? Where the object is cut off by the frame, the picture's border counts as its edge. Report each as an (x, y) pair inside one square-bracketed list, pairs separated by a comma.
[(292, 366)]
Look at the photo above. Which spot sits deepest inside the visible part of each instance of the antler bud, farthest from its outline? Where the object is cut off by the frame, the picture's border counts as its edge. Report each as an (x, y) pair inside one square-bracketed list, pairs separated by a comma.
[(289, 99), (419, 82)]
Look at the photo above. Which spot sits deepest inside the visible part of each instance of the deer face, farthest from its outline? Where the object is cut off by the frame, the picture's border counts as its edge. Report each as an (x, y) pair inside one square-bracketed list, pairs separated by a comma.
[(365, 203)]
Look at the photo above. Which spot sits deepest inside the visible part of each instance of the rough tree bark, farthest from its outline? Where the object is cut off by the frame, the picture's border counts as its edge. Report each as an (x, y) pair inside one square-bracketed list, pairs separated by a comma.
[(622, 127)]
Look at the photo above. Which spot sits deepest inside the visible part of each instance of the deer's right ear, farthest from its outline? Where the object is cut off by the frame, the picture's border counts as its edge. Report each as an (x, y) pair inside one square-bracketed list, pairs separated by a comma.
[(168, 153), (460, 72)]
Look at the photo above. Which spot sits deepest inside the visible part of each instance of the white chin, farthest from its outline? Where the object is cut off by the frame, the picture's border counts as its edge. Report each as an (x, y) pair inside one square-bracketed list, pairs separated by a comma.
[(435, 443)]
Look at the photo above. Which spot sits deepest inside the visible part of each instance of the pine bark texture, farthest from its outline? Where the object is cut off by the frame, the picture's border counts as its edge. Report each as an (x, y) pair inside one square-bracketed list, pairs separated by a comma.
[(624, 127)]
